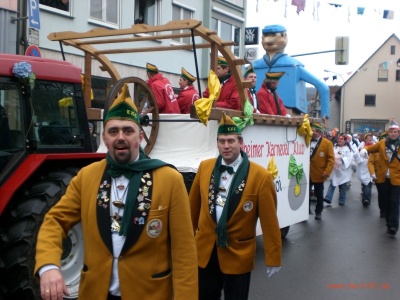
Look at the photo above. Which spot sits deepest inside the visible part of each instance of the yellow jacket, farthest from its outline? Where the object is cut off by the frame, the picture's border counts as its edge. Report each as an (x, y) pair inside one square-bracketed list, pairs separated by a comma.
[(160, 266), (394, 165), (322, 161), (257, 201), (378, 167)]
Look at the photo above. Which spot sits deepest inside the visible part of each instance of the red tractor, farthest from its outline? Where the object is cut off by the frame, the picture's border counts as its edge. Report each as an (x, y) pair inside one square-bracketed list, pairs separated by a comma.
[(44, 141)]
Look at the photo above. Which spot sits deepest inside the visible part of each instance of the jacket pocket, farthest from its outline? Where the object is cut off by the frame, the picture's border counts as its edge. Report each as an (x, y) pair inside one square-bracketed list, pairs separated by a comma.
[(161, 274)]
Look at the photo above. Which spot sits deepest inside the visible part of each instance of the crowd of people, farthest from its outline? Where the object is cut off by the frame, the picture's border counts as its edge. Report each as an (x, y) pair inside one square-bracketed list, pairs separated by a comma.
[(374, 156)]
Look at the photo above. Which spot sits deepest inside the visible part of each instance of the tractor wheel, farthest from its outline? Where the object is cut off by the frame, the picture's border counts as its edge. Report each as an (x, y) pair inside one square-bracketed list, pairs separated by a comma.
[(18, 240), (146, 105)]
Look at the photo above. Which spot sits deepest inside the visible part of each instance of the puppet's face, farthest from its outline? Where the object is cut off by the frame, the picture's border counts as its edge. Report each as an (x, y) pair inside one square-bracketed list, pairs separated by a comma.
[(274, 42)]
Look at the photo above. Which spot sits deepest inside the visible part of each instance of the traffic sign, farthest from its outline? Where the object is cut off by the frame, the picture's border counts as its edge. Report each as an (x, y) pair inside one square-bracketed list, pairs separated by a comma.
[(33, 36), (33, 50), (34, 17)]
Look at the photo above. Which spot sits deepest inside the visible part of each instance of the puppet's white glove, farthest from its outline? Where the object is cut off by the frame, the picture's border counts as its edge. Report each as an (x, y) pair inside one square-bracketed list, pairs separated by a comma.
[(287, 115), (271, 271)]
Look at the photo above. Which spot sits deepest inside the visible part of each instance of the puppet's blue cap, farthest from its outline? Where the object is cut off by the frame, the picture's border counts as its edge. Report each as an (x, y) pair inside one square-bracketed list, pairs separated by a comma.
[(273, 29)]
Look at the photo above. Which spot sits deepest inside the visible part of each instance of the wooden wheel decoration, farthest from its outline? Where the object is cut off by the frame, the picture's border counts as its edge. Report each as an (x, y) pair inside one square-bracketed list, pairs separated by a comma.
[(146, 104)]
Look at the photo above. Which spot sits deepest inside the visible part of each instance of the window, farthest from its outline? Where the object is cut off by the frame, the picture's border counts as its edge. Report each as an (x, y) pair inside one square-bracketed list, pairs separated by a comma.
[(147, 11), (392, 50), (181, 13), (370, 100), (228, 32), (56, 5), (383, 75), (12, 138), (105, 11), (397, 75), (55, 115)]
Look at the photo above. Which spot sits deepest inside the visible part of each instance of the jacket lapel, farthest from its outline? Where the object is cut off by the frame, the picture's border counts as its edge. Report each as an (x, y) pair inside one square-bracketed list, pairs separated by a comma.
[(103, 210), (142, 206)]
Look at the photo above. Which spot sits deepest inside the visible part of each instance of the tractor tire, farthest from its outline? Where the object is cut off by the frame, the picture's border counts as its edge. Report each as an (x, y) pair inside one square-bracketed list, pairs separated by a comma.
[(20, 227)]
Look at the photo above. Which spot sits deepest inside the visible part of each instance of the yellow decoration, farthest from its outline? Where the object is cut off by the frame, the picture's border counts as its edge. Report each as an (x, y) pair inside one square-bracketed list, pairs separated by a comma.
[(305, 130), (297, 189), (273, 168), (203, 106), (65, 102)]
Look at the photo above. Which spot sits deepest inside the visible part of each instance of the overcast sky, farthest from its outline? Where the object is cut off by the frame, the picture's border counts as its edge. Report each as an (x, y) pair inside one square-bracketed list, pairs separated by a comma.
[(316, 28)]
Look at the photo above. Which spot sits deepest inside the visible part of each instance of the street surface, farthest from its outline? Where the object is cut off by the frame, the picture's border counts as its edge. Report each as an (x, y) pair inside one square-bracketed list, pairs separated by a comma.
[(347, 255)]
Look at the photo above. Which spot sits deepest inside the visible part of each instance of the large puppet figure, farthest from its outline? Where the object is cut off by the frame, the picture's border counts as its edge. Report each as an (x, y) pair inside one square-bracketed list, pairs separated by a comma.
[(292, 88)]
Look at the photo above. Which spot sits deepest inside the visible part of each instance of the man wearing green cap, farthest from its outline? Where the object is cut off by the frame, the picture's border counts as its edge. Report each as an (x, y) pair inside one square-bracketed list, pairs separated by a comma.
[(188, 94), (229, 96), (135, 218), (322, 161), (229, 194)]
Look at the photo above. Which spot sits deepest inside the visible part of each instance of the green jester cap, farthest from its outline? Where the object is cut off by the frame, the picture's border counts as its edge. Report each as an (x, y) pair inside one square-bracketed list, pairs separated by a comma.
[(227, 126), (317, 126), (123, 108)]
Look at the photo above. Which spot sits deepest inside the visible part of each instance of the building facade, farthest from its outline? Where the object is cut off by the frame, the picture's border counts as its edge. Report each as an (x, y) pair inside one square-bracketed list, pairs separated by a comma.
[(369, 98), (227, 18)]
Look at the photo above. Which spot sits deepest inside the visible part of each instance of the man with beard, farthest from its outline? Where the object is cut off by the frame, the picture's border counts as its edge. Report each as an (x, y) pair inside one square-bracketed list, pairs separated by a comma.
[(229, 96), (389, 155), (135, 220), (269, 101), (229, 194)]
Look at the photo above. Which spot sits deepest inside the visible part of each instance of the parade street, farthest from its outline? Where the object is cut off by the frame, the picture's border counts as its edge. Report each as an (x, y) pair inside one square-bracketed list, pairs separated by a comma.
[(347, 255)]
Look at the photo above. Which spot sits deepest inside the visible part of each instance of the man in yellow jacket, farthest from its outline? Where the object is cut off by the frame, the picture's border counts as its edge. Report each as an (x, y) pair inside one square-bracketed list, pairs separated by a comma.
[(135, 216), (227, 197), (378, 170), (322, 160), (389, 156)]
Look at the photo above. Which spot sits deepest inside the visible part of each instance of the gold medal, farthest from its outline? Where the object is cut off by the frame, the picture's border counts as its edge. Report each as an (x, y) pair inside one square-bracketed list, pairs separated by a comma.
[(118, 204)]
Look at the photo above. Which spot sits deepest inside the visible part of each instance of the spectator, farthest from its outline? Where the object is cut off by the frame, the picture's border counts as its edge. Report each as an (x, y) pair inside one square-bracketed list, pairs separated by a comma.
[(92, 137), (162, 89)]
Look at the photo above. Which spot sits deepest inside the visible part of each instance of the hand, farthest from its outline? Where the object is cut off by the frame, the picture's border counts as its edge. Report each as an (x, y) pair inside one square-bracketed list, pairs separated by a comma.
[(52, 285), (363, 152), (373, 177), (271, 271), (287, 115)]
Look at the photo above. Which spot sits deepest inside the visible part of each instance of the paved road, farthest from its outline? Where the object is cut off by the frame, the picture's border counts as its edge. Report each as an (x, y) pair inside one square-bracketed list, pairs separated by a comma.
[(347, 255)]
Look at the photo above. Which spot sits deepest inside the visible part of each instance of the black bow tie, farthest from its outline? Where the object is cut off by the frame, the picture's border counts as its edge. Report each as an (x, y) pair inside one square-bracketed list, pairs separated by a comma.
[(314, 140), (223, 168)]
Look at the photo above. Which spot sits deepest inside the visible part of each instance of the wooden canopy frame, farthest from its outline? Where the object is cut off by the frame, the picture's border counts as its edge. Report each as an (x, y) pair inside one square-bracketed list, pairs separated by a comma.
[(114, 40)]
